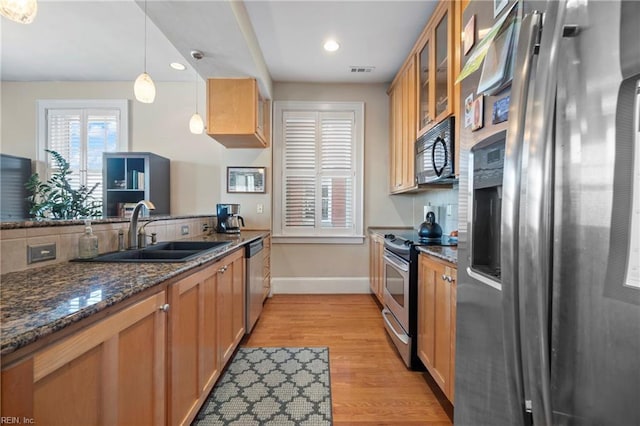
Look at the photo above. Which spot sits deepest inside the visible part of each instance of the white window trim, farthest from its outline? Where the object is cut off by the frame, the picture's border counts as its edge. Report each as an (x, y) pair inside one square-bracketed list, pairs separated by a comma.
[(278, 236), (46, 104)]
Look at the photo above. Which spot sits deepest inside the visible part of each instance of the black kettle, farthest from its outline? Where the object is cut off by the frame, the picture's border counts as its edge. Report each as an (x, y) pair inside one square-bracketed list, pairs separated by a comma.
[(429, 228)]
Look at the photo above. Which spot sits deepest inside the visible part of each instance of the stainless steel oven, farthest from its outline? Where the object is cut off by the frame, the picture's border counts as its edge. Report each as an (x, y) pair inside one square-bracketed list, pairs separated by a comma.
[(396, 302)]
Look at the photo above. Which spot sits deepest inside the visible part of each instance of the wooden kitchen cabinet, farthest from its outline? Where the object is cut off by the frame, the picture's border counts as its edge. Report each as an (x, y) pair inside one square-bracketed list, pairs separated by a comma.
[(436, 65), (402, 134), (238, 116), (436, 320), (193, 343), (376, 268), (429, 72), (206, 323), (231, 304), (266, 268), (112, 372)]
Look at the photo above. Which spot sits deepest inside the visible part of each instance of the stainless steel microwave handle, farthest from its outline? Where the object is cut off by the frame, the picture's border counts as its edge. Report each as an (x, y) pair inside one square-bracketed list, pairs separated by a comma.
[(401, 336), (395, 263)]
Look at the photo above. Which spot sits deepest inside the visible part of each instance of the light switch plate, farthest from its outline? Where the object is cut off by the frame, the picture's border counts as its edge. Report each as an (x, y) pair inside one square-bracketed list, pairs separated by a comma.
[(41, 252)]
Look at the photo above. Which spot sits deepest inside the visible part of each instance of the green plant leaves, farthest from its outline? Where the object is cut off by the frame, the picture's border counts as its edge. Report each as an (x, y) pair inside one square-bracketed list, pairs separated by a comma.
[(56, 199)]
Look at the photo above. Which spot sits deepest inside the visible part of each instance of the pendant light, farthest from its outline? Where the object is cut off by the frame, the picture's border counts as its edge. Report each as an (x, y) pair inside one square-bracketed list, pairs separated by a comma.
[(196, 125), (21, 11), (143, 88)]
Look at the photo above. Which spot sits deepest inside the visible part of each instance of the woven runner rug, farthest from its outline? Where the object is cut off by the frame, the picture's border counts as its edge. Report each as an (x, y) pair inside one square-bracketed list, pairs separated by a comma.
[(271, 386)]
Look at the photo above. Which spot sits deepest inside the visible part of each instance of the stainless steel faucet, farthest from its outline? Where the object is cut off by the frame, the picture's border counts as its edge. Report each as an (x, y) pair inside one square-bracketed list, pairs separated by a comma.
[(133, 222)]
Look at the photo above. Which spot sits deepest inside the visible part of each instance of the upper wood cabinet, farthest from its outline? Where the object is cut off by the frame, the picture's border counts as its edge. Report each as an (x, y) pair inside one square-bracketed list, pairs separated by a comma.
[(435, 56), (424, 92), (237, 114), (402, 133)]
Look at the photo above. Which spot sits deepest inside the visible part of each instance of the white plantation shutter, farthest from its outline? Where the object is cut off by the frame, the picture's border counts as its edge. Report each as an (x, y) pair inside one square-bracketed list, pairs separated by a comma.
[(81, 131), (317, 171)]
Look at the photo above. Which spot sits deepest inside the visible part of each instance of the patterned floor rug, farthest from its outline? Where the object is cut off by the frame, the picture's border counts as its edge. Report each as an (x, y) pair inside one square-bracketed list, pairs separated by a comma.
[(271, 386)]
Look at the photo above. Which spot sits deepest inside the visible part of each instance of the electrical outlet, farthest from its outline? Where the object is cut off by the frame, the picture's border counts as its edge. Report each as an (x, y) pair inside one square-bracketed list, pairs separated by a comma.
[(184, 230), (260, 209), (425, 211), (41, 253)]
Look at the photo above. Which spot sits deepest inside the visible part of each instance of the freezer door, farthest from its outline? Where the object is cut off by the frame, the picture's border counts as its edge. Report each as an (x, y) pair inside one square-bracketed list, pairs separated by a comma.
[(595, 328)]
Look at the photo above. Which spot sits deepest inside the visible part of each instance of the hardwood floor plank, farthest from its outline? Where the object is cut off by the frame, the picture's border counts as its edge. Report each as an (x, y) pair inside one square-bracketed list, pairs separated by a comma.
[(370, 384)]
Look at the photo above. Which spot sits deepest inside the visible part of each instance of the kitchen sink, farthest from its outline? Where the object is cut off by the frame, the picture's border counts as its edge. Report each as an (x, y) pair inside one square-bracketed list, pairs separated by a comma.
[(169, 251)]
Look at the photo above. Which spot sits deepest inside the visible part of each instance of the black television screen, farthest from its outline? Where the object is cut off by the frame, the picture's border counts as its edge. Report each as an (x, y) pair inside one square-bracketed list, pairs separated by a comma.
[(14, 173)]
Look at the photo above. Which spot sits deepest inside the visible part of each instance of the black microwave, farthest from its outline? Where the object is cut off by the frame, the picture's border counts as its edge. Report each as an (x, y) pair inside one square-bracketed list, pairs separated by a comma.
[(434, 154)]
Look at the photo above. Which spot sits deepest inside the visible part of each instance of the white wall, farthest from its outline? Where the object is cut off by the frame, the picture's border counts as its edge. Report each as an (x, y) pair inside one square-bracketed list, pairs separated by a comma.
[(311, 261), (161, 128)]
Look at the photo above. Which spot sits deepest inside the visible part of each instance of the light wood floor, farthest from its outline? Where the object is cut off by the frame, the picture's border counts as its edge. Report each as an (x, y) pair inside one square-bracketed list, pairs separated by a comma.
[(369, 382)]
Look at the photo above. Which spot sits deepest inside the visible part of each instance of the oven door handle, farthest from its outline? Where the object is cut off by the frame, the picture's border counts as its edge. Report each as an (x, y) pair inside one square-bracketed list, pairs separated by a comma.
[(401, 336), (393, 262)]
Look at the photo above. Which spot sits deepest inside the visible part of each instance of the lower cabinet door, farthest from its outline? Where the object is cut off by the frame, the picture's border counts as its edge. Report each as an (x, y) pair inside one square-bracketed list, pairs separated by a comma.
[(193, 346), (112, 372), (231, 305)]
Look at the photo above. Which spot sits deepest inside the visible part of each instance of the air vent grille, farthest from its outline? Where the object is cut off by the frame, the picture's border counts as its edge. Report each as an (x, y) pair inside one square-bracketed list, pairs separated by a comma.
[(358, 69)]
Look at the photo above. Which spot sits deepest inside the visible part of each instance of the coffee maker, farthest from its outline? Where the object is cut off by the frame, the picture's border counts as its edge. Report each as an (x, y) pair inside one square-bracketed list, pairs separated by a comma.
[(228, 219)]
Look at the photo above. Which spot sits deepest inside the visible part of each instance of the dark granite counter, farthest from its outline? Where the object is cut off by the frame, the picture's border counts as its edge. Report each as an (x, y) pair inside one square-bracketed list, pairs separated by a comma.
[(37, 302), (449, 254), (36, 223)]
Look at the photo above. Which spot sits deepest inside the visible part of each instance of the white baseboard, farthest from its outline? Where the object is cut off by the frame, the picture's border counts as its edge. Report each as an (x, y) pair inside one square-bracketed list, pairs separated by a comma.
[(320, 285)]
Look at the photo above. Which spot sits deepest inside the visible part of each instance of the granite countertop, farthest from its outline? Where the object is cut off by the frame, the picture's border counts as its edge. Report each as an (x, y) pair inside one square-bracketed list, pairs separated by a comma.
[(447, 253), (36, 223), (450, 254), (37, 302)]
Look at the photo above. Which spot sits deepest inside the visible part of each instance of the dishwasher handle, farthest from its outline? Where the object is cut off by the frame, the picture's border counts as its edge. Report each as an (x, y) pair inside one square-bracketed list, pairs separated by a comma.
[(254, 248)]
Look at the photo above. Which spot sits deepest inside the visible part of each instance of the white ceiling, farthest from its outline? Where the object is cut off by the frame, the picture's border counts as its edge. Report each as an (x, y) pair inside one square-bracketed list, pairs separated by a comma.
[(270, 40)]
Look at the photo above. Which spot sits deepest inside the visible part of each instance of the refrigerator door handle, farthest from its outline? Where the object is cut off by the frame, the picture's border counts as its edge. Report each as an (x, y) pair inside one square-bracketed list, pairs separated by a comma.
[(536, 228), (511, 190)]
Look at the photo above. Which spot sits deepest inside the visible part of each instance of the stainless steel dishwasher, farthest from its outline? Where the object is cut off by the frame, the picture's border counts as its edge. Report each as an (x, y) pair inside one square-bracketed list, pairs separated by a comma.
[(255, 281)]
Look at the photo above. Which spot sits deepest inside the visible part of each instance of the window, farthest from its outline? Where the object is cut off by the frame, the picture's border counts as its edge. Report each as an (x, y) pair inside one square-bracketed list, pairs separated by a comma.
[(318, 171), (81, 130)]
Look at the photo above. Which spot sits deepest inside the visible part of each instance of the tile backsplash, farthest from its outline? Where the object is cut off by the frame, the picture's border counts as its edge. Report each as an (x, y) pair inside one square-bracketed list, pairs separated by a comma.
[(14, 242), (444, 203)]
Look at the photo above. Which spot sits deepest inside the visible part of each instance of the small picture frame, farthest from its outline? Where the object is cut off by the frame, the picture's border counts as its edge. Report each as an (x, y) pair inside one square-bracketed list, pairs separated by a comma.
[(468, 110), (500, 110), (498, 5), (469, 35), (246, 180), (478, 113)]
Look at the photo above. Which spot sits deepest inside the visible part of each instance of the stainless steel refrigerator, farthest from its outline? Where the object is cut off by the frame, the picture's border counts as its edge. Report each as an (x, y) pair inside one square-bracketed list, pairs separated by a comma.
[(548, 302)]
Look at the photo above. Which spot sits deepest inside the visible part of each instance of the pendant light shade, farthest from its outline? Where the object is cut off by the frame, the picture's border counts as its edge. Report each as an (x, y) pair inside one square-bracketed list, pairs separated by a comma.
[(196, 125), (144, 88), (21, 11)]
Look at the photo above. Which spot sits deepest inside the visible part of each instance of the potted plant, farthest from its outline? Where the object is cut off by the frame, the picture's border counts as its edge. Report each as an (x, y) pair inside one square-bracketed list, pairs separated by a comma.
[(56, 199)]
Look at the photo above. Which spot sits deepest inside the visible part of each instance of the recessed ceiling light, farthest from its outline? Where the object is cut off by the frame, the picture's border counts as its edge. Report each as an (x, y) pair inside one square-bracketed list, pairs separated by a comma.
[(178, 66), (331, 46)]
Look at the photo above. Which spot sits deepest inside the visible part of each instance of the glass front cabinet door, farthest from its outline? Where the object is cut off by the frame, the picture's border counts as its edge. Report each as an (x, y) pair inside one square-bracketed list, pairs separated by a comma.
[(435, 90)]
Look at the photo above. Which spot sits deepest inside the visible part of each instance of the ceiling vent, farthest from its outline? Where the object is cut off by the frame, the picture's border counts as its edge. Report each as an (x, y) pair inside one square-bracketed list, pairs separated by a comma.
[(359, 69)]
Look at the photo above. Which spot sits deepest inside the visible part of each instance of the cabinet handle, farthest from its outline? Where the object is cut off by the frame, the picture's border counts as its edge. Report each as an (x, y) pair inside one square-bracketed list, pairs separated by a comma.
[(444, 277), (164, 308), (223, 269)]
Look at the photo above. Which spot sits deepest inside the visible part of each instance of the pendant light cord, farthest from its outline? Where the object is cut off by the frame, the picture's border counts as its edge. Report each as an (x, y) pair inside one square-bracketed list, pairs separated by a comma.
[(145, 36), (196, 85)]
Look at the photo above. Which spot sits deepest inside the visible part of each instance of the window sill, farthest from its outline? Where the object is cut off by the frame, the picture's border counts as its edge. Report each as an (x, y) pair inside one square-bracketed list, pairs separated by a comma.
[(333, 239)]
